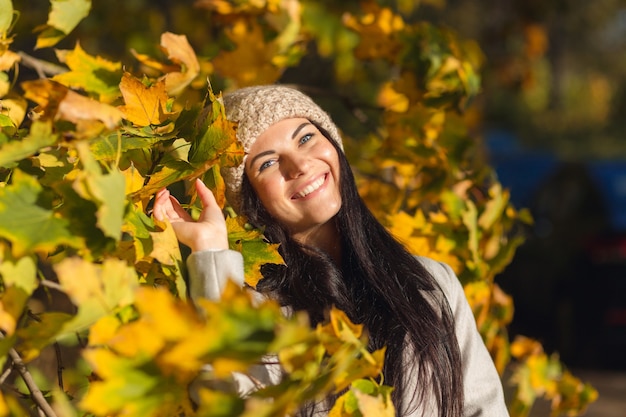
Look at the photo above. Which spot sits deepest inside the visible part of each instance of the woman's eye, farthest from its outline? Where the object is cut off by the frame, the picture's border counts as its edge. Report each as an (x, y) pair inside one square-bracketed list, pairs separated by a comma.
[(306, 138), (266, 164)]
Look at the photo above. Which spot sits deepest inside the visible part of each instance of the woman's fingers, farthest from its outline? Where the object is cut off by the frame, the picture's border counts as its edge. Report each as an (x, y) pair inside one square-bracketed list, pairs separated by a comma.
[(208, 233), (211, 210)]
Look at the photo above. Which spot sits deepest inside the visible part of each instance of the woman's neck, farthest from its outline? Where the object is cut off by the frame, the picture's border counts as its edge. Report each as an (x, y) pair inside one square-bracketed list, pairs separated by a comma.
[(325, 238)]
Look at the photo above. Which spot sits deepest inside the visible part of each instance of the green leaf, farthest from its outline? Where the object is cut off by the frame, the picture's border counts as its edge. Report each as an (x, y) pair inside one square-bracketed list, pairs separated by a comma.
[(27, 223), (256, 251), (214, 134), (6, 16), (21, 272), (40, 136), (92, 74), (108, 191), (102, 289), (63, 18), (41, 333)]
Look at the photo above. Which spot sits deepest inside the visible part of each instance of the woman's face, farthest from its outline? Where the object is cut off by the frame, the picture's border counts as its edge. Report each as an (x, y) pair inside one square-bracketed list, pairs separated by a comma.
[(294, 169)]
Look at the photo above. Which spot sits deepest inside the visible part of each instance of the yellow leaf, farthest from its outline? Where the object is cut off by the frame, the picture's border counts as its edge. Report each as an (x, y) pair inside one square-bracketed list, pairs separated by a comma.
[(179, 51), (165, 248), (134, 180), (8, 59), (144, 105), (251, 61), (138, 339), (103, 330), (14, 107), (159, 308), (391, 100), (225, 366), (524, 346), (373, 406), (59, 102), (343, 327)]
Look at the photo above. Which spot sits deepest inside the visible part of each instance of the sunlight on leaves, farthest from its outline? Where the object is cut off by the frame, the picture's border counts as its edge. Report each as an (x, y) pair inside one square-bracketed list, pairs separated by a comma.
[(63, 18), (93, 74), (256, 251), (145, 105)]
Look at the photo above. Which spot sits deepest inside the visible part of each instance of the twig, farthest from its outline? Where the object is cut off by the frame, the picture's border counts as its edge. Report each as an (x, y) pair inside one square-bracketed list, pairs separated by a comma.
[(5, 374), (51, 284), (43, 68), (60, 366), (35, 392)]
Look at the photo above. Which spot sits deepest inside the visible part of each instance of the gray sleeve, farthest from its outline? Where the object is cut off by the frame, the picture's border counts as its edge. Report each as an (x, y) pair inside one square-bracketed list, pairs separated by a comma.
[(484, 396), (208, 274), (210, 270)]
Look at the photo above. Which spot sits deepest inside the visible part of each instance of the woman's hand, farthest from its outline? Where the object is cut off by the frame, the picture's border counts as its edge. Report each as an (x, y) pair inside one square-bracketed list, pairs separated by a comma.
[(209, 232)]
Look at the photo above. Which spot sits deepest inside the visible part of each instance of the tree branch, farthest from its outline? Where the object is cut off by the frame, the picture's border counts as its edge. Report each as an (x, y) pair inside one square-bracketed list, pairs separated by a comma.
[(35, 392), (42, 68)]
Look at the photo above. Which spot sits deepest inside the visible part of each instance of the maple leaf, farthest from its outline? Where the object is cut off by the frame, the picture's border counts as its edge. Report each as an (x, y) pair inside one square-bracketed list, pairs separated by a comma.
[(92, 74), (180, 52), (391, 99), (14, 107), (40, 135), (63, 18), (59, 102), (256, 251), (251, 61), (30, 226), (6, 17), (212, 136), (145, 105), (101, 289), (105, 190)]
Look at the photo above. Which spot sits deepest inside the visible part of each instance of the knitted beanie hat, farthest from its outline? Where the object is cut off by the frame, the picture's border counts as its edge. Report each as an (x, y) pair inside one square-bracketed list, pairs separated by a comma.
[(255, 109)]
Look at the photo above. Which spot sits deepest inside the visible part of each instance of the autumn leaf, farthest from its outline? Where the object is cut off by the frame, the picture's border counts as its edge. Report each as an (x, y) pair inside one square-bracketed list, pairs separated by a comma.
[(180, 52), (14, 107), (40, 135), (63, 18), (92, 74), (102, 289), (392, 100), (29, 225), (6, 17), (145, 105), (251, 61), (213, 138), (59, 102), (106, 190), (256, 251)]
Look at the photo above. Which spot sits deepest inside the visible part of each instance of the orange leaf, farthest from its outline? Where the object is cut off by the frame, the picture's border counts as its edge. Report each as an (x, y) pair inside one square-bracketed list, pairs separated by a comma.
[(144, 105), (59, 102), (179, 51)]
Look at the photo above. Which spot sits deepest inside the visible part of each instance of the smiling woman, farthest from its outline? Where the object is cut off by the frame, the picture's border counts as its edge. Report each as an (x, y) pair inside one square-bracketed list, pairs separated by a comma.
[(294, 171), (296, 184)]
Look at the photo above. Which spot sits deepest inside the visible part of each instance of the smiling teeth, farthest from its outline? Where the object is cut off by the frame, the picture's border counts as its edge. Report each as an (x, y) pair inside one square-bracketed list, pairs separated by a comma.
[(312, 187)]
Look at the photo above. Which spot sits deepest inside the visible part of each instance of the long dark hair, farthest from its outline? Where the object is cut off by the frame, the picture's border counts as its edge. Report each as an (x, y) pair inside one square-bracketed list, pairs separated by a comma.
[(378, 284)]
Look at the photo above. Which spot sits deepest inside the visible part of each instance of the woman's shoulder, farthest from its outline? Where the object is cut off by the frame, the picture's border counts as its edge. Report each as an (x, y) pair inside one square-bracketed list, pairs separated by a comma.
[(443, 274)]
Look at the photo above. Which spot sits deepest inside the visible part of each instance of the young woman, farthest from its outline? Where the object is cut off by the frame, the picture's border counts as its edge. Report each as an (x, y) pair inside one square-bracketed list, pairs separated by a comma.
[(296, 183)]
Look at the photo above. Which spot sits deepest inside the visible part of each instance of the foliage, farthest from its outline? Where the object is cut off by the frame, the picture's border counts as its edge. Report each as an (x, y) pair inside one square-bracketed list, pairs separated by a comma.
[(80, 167)]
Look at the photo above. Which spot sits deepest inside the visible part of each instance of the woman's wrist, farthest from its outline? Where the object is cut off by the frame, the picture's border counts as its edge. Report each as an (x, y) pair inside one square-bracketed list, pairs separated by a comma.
[(202, 244)]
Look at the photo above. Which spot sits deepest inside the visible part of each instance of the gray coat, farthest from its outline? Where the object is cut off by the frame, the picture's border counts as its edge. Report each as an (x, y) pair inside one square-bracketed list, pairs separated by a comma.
[(209, 270)]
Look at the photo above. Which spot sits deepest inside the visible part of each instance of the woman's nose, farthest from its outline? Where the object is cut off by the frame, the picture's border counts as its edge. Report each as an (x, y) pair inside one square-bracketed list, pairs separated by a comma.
[(295, 165)]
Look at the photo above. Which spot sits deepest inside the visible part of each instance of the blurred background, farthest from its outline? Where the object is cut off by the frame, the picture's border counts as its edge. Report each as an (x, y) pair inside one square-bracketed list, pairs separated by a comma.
[(554, 109)]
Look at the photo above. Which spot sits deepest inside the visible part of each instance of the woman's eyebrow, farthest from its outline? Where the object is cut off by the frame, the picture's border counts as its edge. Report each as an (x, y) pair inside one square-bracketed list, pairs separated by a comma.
[(261, 155), (298, 129)]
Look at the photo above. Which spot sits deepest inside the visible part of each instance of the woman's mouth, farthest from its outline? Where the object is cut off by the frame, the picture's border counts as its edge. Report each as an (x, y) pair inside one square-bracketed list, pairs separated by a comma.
[(311, 187)]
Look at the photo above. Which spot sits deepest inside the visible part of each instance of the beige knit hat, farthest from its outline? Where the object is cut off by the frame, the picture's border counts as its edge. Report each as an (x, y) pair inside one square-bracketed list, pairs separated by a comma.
[(257, 108)]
